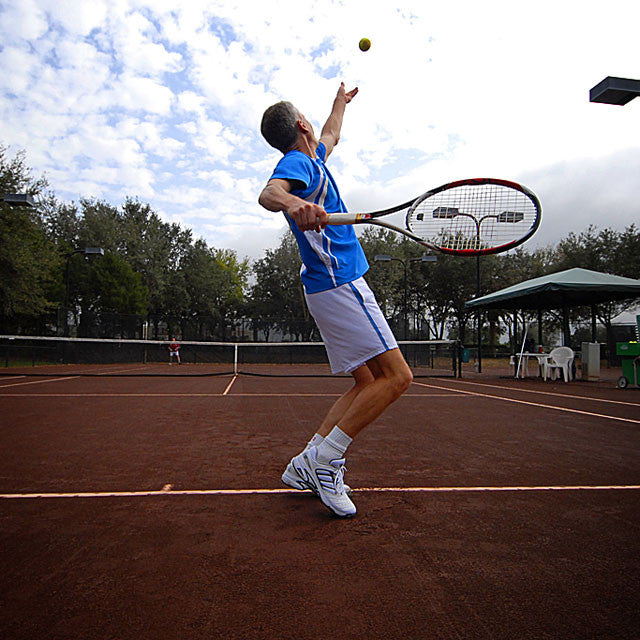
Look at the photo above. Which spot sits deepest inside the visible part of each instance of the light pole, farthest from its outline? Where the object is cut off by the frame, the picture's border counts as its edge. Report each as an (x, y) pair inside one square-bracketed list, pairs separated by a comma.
[(87, 251), (505, 217), (383, 257)]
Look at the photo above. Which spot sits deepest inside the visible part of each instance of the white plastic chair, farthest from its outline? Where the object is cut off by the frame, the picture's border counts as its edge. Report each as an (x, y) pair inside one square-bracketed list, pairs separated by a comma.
[(560, 358)]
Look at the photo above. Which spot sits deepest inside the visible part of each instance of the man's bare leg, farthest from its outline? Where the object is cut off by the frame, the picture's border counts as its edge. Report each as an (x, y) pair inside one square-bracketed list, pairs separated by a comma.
[(392, 377), (378, 384), (362, 377), (321, 467)]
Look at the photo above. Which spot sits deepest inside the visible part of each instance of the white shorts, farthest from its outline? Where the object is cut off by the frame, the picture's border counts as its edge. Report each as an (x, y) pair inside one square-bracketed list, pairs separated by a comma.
[(351, 325)]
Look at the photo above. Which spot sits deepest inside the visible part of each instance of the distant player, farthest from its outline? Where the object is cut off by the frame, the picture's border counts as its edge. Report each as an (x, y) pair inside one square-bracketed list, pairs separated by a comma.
[(174, 351), (356, 335)]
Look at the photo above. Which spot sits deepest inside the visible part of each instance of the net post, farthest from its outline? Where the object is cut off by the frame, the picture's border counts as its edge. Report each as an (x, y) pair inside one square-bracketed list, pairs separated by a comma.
[(235, 357)]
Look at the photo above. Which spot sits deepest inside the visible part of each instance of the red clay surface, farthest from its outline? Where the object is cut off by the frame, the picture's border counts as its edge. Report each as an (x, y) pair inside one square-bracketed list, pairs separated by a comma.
[(530, 563)]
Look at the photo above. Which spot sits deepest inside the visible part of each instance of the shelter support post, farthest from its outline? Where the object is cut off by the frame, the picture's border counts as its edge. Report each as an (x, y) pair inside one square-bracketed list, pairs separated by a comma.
[(479, 317), (540, 327), (565, 326), (594, 336)]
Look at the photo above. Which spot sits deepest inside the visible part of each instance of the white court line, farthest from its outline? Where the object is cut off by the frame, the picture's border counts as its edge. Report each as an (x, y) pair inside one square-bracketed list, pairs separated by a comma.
[(244, 492), (532, 404), (453, 394), (226, 391), (19, 384), (550, 393), (11, 377)]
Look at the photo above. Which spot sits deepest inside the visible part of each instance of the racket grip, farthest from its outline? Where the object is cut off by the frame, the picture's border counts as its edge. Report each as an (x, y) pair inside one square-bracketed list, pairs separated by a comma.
[(347, 218)]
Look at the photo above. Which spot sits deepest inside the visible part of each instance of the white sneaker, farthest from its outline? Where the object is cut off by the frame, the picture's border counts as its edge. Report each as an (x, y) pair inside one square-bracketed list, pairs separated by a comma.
[(326, 480), (291, 478)]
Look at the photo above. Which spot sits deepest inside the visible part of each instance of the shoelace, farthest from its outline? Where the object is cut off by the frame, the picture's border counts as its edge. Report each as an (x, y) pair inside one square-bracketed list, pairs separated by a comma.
[(338, 478)]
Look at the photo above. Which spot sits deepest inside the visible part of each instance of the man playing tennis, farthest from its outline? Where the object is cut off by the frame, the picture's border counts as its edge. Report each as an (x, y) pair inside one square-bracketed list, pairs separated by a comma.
[(174, 350), (356, 335)]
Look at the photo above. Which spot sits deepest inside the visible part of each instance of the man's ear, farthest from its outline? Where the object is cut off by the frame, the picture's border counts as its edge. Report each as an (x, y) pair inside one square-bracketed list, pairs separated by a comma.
[(302, 126)]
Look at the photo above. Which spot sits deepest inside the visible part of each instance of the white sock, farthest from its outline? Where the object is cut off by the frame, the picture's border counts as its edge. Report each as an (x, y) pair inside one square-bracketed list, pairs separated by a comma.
[(334, 445), (315, 441)]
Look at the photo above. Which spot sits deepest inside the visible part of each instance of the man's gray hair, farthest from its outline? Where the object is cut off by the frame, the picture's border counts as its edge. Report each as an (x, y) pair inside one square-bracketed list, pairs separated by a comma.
[(278, 125)]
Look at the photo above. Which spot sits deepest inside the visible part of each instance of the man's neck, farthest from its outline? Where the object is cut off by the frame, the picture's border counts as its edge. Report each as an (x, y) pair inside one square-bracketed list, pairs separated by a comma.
[(306, 146)]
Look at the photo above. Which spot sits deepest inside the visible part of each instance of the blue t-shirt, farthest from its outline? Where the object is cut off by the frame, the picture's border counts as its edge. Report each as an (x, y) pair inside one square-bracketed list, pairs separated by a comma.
[(334, 256)]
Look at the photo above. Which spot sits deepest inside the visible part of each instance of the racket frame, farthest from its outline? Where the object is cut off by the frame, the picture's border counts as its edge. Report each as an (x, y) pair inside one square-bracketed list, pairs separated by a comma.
[(373, 217)]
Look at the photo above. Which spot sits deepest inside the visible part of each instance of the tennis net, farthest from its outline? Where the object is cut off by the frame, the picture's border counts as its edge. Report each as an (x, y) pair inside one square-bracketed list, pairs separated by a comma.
[(43, 355)]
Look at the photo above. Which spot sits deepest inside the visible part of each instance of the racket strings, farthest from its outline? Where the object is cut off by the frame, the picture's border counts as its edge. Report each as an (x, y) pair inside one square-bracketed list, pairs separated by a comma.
[(473, 217)]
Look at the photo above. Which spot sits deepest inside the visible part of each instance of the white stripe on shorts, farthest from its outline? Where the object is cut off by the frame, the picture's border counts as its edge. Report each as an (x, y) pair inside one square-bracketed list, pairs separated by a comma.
[(351, 325)]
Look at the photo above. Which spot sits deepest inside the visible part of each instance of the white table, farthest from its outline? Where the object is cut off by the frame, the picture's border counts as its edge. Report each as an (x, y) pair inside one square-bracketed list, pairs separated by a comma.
[(524, 362)]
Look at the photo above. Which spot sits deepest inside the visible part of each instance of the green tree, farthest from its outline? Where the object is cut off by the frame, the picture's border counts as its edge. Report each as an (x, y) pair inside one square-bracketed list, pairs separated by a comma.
[(626, 261), (277, 296), (113, 286), (111, 296), (386, 279), (607, 251), (214, 283), (29, 265)]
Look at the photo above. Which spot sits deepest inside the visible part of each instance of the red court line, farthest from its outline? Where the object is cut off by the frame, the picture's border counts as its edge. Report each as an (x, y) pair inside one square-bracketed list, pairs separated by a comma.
[(532, 404), (244, 492)]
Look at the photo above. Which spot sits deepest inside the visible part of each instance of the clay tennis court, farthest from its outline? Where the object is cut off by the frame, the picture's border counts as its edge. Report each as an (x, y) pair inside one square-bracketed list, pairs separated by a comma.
[(152, 508)]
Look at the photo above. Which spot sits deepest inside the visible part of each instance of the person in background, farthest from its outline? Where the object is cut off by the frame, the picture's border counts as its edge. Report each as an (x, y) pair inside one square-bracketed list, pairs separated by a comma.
[(174, 351)]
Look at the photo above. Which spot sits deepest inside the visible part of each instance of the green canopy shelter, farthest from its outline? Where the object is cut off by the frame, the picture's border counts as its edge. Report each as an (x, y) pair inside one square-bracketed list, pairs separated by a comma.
[(562, 290)]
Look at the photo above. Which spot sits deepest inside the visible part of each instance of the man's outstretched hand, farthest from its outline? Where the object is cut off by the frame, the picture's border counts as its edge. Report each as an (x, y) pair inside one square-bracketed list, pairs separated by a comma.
[(347, 96)]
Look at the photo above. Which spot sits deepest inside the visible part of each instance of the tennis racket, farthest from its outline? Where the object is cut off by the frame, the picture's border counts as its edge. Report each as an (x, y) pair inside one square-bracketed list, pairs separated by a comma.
[(471, 217)]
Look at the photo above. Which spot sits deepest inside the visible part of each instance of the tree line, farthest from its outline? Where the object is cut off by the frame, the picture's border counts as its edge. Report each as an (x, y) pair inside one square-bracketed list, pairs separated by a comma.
[(158, 272)]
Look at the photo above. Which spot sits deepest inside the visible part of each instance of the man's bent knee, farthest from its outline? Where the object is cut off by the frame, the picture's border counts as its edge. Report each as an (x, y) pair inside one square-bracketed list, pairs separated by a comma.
[(402, 380), (395, 369)]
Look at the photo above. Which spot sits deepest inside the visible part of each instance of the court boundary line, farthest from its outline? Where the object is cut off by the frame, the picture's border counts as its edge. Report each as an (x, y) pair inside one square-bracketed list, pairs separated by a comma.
[(18, 384), (165, 491), (532, 404), (549, 393), (451, 394), (226, 391)]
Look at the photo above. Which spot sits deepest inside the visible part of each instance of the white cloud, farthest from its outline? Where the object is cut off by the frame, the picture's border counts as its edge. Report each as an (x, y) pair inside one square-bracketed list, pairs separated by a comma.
[(137, 93), (163, 101), (18, 66), (21, 21), (76, 18)]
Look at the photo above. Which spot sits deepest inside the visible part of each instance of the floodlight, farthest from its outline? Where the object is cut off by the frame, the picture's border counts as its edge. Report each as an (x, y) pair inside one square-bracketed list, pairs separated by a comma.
[(445, 212), (19, 200), (511, 216), (616, 91)]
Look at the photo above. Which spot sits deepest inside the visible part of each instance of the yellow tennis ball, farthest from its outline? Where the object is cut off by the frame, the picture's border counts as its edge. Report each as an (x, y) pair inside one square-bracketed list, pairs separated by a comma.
[(364, 44)]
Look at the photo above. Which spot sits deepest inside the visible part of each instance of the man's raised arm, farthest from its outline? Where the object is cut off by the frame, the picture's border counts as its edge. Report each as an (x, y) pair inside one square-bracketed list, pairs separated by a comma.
[(331, 131)]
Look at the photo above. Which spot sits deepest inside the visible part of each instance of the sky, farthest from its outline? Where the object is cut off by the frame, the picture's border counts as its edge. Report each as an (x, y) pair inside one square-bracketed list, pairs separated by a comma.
[(162, 101)]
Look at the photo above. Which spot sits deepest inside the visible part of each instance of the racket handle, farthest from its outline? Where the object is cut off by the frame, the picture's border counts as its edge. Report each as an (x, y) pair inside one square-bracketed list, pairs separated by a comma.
[(347, 218)]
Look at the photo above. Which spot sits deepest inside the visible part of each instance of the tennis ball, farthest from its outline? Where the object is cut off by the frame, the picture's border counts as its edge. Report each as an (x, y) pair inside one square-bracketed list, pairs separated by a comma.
[(364, 44)]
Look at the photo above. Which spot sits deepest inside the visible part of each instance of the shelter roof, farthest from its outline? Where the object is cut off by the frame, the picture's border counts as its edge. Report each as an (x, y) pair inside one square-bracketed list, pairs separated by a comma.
[(570, 288)]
